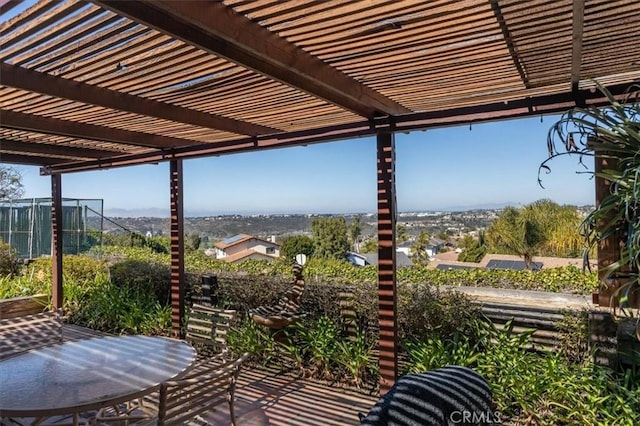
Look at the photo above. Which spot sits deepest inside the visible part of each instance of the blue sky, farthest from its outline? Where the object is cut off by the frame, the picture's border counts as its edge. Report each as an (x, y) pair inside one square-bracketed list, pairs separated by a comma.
[(451, 168)]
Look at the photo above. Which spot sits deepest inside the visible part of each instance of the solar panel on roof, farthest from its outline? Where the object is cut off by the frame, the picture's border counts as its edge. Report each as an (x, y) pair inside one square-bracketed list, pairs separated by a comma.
[(515, 265), (233, 239)]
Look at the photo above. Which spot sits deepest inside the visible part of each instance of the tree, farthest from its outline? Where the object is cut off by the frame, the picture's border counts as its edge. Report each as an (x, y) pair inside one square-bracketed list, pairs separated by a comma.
[(402, 235), (473, 250), (296, 244), (330, 237), (11, 186), (419, 249), (193, 240), (517, 231), (542, 226), (443, 235), (370, 246), (562, 225), (355, 231)]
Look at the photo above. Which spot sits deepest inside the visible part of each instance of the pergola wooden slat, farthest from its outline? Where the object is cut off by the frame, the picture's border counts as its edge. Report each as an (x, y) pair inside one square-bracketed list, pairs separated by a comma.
[(99, 84)]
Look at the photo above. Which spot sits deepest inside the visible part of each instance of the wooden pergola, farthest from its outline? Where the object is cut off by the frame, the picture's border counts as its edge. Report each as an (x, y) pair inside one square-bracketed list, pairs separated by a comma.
[(101, 84)]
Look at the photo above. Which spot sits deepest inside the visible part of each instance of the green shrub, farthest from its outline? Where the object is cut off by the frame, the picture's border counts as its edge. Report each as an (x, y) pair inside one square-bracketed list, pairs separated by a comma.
[(319, 341), (425, 311), (573, 335), (116, 309), (436, 352), (141, 276), (19, 285), (8, 259), (252, 338), (356, 357), (296, 244)]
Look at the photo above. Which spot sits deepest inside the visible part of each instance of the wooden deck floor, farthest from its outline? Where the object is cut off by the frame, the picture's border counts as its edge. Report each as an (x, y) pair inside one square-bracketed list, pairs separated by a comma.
[(264, 397)]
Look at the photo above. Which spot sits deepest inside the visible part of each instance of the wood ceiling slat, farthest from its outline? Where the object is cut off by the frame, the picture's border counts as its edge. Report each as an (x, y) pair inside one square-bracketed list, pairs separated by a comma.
[(426, 14), (52, 149), (131, 75), (479, 54), (476, 52), (37, 17), (454, 79), (549, 12), (270, 17), (58, 87), (443, 67), (229, 81), (29, 122), (473, 88), (7, 5), (244, 42), (414, 36), (251, 6), (138, 71), (104, 40), (15, 44), (376, 17), (144, 45), (613, 28), (66, 39)]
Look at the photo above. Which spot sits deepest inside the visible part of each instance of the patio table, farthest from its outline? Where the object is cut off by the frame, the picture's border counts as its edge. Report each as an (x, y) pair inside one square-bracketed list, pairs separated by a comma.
[(79, 376)]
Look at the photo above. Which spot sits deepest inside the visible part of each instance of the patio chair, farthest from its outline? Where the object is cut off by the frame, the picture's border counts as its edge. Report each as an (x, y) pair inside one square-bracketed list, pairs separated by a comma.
[(186, 401), (207, 329), (287, 310)]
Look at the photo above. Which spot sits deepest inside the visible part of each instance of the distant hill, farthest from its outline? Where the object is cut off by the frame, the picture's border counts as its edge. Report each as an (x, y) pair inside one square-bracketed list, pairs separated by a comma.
[(215, 228)]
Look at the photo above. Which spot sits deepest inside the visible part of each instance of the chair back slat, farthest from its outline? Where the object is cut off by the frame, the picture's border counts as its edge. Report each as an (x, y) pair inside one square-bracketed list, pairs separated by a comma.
[(208, 327), (212, 383)]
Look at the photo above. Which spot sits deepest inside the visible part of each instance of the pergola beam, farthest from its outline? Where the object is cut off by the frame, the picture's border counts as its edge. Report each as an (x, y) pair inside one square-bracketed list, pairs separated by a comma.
[(54, 149), (547, 104), (38, 82), (216, 28), (56, 126), (509, 41), (30, 160), (576, 43)]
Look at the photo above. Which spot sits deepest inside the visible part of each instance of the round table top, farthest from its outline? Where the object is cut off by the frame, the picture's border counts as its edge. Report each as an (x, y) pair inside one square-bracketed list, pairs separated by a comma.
[(87, 374)]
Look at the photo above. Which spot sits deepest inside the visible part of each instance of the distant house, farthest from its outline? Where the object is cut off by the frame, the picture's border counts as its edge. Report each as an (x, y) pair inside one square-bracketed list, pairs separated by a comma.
[(242, 247), (405, 247), (357, 259), (435, 246), (364, 259)]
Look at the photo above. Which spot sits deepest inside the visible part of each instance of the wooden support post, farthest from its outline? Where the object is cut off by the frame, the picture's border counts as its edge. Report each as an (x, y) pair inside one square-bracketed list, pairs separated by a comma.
[(387, 311), (56, 240), (177, 249), (609, 248)]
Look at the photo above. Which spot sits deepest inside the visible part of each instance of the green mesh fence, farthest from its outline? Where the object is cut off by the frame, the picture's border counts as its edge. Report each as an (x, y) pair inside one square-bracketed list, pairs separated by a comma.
[(26, 225)]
